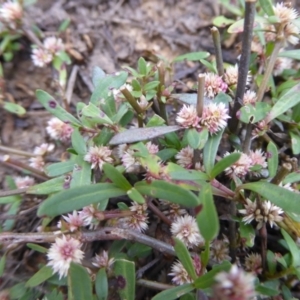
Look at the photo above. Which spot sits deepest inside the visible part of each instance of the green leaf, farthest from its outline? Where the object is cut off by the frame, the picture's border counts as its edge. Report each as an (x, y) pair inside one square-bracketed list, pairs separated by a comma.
[(271, 261), (141, 134), (95, 115), (142, 66), (272, 159), (281, 197), (40, 276), (185, 257), (151, 85), (210, 151), (123, 109), (174, 293), (78, 197), (224, 163), (104, 137), (97, 76), (135, 195), (14, 108), (60, 168), (101, 284), (105, 85), (48, 187), (82, 173), (267, 7), (125, 272), (116, 177), (197, 139), (138, 250), (12, 211), (79, 283), (179, 173), (206, 280), (247, 233), (155, 120), (253, 114), (294, 54), (37, 248), (166, 154), (222, 21), (55, 109), (295, 139), (207, 218), (291, 178), (167, 191), (192, 56), (267, 291), (295, 252), (2, 264), (78, 142), (284, 103)]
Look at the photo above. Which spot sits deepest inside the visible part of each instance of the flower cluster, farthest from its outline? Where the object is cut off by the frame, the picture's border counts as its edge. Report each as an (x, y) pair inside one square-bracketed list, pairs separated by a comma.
[(42, 56), (234, 285), (188, 117), (185, 228), (11, 13), (214, 85), (59, 130), (98, 156), (61, 253), (267, 212)]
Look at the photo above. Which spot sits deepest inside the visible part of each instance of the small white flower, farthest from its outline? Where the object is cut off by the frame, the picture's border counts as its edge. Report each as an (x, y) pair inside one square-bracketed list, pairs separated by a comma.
[(143, 103), (186, 229), (61, 253), (214, 85), (179, 274), (103, 261), (54, 45), (249, 97), (75, 221), (285, 13), (219, 251), (258, 158), (98, 156), (231, 76), (187, 116), (239, 168), (291, 33), (281, 64), (130, 162), (253, 263), (138, 221), (152, 148), (250, 211), (41, 57), (234, 285), (58, 130), (271, 213), (11, 12), (37, 163), (24, 182), (185, 157), (214, 117), (43, 149)]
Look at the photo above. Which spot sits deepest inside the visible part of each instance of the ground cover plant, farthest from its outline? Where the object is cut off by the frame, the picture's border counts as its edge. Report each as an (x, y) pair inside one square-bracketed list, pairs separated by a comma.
[(157, 193)]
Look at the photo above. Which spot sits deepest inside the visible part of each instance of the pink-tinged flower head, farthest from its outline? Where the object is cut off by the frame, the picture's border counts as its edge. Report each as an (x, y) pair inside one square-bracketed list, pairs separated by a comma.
[(284, 13), (291, 33), (187, 116), (214, 117), (249, 98), (130, 162), (253, 263), (37, 163), (43, 149), (64, 251), (214, 85), (138, 221), (41, 57), (58, 130), (11, 12), (240, 168), (103, 261), (281, 64), (258, 158), (186, 229), (231, 76), (98, 156), (261, 128), (234, 285), (88, 213), (152, 148), (54, 45), (75, 221), (24, 182), (179, 274), (219, 251), (185, 157)]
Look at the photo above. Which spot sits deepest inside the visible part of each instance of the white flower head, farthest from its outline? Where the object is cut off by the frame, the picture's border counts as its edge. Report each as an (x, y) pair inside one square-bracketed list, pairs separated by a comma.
[(75, 221), (179, 274), (43, 149), (185, 157), (214, 117), (130, 162), (240, 168), (98, 156), (54, 45), (219, 251), (103, 261), (11, 12), (37, 163), (152, 148), (214, 85), (249, 97), (281, 64), (231, 76), (291, 33), (24, 182), (139, 220), (285, 13), (186, 229), (41, 57), (234, 285), (58, 130), (253, 263), (258, 158), (188, 117), (61, 253)]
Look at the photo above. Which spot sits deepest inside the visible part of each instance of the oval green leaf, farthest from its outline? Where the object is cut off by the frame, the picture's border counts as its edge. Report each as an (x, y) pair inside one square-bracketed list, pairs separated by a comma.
[(168, 191), (40, 276), (101, 284), (116, 177), (272, 159), (78, 197), (174, 293)]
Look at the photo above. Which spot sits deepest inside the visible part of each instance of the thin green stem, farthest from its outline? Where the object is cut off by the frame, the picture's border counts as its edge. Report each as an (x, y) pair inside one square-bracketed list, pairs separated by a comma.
[(161, 78)]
